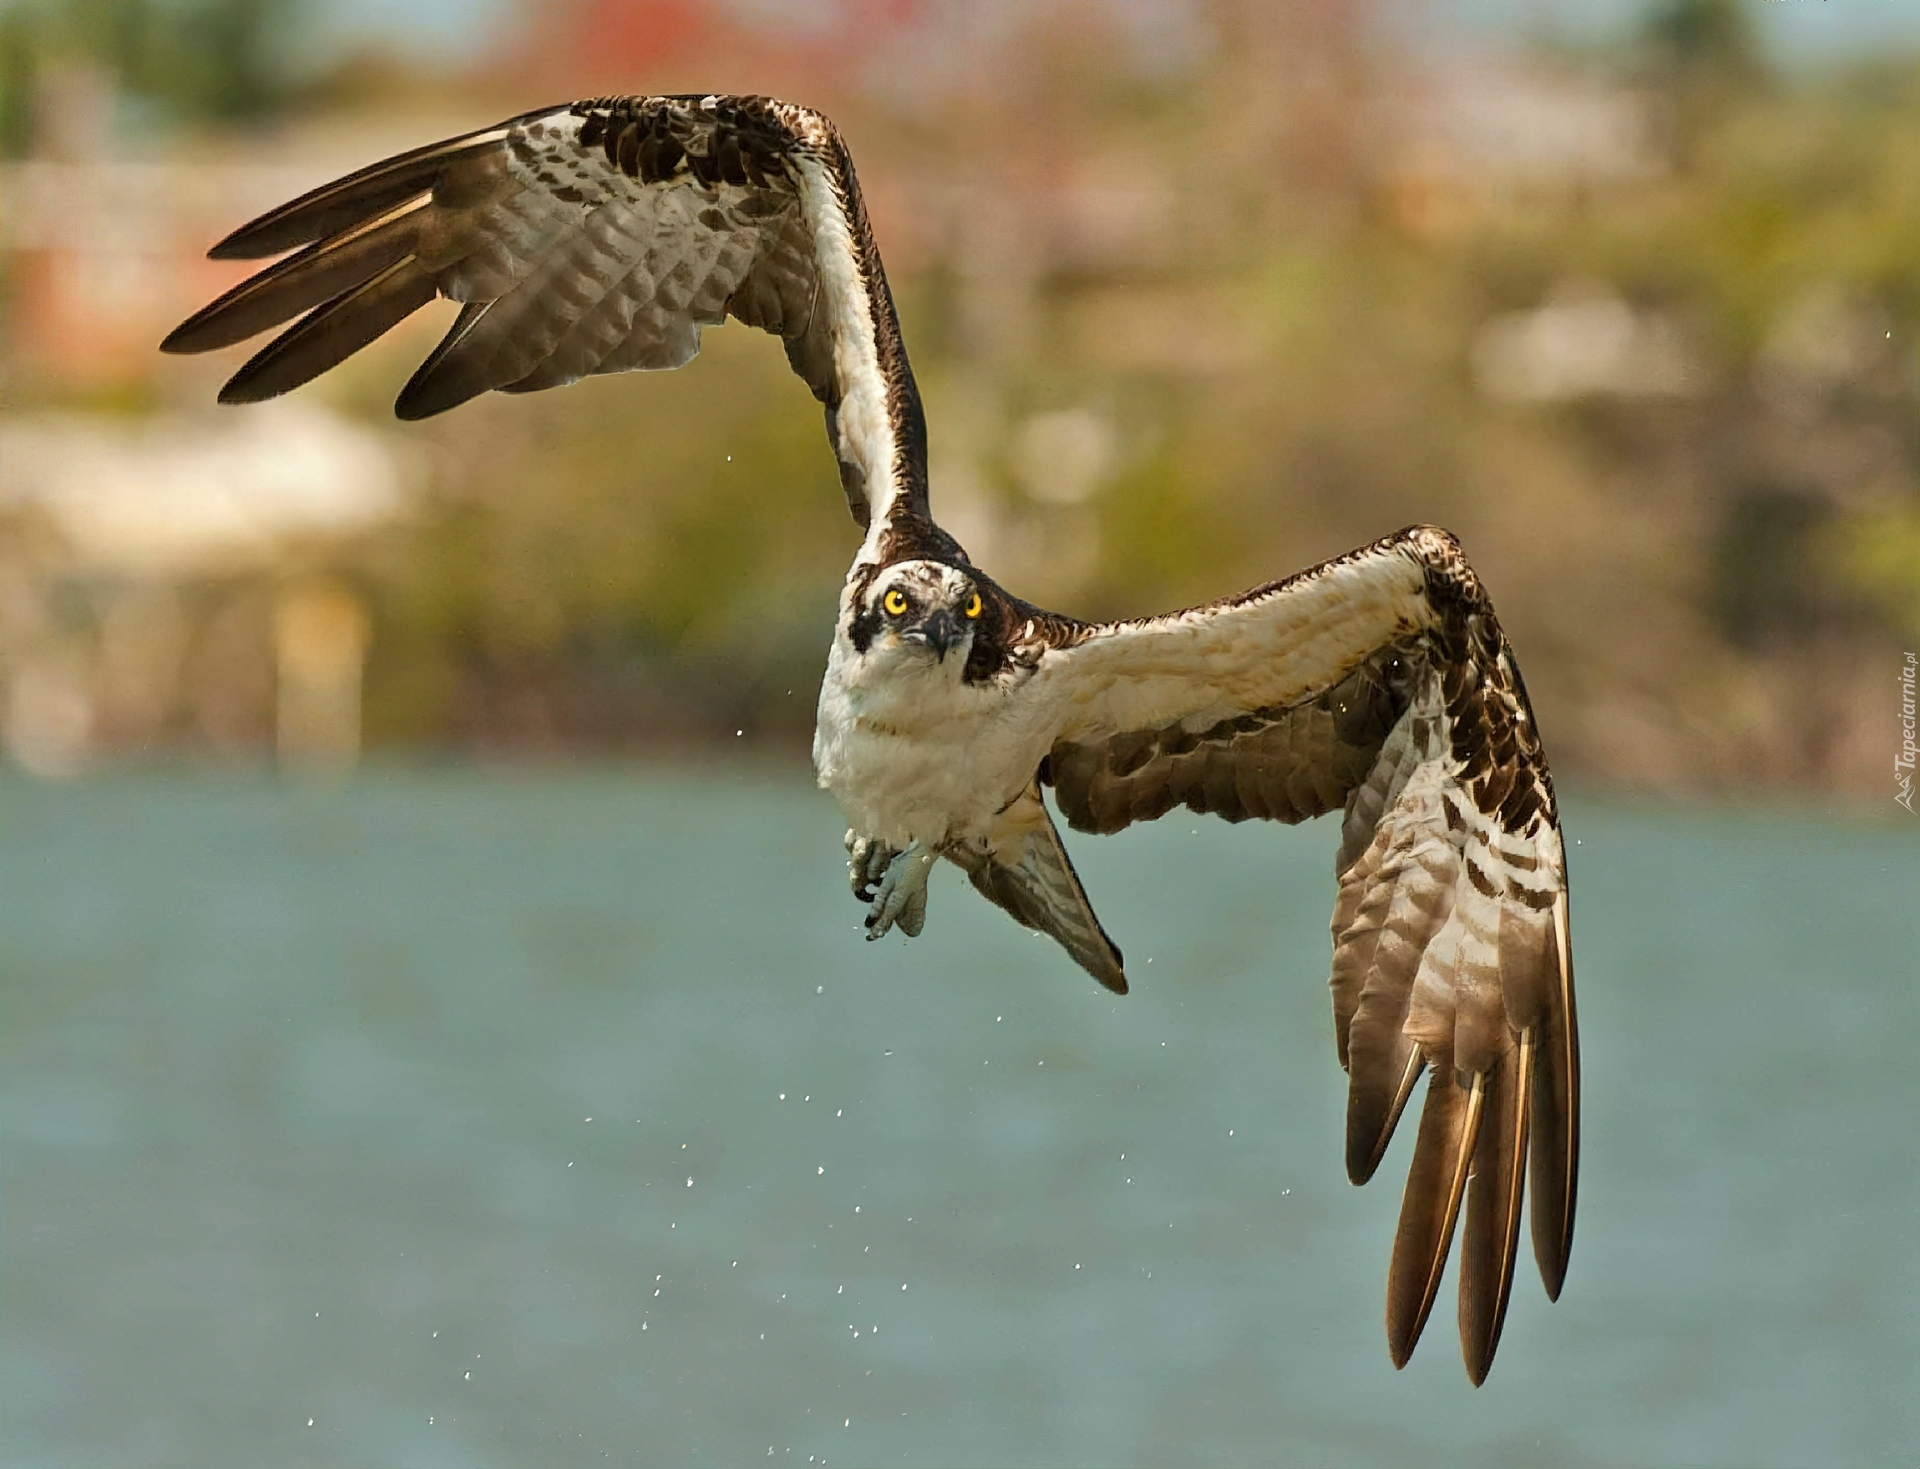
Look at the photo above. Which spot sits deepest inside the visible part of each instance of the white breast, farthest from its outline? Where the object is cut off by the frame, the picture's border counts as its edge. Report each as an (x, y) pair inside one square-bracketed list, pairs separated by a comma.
[(913, 752)]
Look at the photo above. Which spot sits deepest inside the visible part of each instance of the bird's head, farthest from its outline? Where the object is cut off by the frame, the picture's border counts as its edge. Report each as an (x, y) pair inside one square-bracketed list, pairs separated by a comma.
[(923, 608)]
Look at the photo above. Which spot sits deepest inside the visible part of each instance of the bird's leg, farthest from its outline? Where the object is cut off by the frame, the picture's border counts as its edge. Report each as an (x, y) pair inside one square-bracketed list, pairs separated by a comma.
[(867, 859), (902, 895)]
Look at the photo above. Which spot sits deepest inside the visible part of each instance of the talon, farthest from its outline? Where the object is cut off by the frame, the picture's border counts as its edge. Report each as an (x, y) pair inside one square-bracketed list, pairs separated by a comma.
[(902, 894)]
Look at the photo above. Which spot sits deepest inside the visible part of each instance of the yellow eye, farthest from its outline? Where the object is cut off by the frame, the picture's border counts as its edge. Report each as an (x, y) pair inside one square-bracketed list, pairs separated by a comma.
[(895, 602), (973, 605)]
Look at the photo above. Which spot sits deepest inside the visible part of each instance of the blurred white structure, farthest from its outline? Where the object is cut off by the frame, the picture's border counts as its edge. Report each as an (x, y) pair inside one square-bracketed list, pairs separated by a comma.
[(1064, 456), (176, 495), (119, 529), (1583, 342)]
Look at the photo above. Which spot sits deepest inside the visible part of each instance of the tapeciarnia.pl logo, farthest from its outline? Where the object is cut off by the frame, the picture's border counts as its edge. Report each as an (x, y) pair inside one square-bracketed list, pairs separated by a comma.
[(1903, 762)]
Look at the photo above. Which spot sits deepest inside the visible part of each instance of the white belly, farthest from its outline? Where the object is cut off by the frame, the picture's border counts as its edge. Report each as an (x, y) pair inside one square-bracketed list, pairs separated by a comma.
[(912, 752)]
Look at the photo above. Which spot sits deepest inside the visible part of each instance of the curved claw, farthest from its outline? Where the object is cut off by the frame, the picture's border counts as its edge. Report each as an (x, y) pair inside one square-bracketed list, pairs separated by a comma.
[(867, 861)]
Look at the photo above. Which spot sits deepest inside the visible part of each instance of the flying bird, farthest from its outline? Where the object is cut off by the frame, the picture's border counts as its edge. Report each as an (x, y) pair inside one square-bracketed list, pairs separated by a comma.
[(602, 236)]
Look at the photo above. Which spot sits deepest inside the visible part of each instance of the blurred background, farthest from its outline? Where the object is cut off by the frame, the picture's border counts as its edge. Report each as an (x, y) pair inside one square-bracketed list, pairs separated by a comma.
[(352, 1115), (1199, 292)]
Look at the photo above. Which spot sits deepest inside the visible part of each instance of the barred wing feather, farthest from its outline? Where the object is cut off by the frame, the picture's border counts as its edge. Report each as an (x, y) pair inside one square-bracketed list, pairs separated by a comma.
[(1380, 684), (593, 238)]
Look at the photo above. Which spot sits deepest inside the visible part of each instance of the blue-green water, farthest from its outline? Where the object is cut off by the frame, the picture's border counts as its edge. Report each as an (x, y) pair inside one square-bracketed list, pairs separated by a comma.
[(296, 1162)]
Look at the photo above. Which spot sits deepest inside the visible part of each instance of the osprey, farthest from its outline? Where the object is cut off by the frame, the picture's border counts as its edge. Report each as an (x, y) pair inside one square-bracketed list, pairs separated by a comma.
[(602, 236)]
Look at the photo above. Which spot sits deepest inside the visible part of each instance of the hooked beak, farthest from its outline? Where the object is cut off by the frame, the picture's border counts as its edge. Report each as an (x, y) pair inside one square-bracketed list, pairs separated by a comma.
[(939, 632)]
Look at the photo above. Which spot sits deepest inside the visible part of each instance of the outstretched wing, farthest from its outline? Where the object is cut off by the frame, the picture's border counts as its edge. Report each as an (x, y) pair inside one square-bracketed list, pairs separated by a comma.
[(597, 237), (1021, 866), (1379, 683)]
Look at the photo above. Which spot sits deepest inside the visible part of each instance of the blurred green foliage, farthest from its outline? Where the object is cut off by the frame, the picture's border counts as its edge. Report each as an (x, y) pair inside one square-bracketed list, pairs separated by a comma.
[(1689, 578), (176, 62), (1259, 284)]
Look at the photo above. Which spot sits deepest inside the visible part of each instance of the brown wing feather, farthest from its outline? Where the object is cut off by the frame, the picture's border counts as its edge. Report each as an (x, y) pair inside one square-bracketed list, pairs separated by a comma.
[(1350, 685), (1556, 1116), (598, 237), (1493, 1206), (1436, 1180), (332, 333)]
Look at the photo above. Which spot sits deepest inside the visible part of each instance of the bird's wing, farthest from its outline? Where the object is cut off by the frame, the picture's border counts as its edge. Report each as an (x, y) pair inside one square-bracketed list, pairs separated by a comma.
[(597, 237), (1021, 866), (1379, 683)]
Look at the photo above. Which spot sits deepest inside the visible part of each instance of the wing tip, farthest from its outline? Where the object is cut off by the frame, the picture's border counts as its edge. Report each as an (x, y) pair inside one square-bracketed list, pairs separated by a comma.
[(244, 387), (1368, 1135), (205, 331), (245, 244)]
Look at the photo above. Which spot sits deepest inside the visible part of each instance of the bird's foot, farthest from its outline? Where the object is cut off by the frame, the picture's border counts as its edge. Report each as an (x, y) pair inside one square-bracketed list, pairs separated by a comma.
[(902, 894), (867, 859)]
